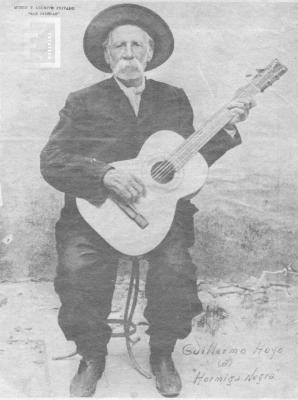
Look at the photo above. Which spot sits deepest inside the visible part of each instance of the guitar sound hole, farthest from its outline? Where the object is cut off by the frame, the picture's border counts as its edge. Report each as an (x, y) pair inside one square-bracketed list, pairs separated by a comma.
[(163, 171)]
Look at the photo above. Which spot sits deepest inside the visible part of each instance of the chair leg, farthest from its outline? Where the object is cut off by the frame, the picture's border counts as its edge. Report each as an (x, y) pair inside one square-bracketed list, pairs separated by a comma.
[(132, 297)]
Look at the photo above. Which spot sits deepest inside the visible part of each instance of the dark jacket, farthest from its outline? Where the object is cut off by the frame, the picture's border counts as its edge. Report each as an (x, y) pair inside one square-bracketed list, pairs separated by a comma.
[(98, 126)]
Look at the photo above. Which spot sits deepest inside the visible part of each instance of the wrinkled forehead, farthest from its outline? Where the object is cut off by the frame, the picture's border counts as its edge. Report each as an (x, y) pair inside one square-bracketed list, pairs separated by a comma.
[(128, 32)]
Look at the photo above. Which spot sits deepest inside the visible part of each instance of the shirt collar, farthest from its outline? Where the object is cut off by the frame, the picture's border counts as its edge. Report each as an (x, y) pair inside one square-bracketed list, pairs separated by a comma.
[(135, 90)]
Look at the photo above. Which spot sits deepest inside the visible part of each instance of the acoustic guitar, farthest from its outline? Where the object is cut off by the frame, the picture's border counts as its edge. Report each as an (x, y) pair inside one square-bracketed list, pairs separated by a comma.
[(171, 168)]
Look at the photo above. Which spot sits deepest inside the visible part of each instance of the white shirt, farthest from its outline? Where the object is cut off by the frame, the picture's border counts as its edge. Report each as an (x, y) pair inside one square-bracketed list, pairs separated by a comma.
[(133, 94)]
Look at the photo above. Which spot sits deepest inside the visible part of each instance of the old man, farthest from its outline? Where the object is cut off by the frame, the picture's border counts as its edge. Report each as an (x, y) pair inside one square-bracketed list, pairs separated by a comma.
[(107, 122)]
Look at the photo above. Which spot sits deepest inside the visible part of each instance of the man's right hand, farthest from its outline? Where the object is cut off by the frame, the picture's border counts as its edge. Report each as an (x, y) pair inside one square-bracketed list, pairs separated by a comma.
[(124, 184)]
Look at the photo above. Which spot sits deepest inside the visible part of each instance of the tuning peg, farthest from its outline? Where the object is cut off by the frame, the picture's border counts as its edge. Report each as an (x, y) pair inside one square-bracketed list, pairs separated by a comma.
[(259, 71)]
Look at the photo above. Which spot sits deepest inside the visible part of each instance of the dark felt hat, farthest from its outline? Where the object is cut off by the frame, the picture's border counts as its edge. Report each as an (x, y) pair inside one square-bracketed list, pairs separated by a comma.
[(127, 14)]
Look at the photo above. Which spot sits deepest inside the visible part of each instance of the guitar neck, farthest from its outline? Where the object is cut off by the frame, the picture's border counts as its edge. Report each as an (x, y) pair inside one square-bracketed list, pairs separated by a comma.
[(208, 129), (262, 80)]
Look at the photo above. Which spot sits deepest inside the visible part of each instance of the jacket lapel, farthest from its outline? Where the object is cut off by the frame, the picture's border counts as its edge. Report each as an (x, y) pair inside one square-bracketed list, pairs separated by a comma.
[(148, 101), (124, 105)]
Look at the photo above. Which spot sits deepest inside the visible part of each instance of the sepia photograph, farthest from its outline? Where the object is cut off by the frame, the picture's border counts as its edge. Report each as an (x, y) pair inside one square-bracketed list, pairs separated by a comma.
[(148, 199)]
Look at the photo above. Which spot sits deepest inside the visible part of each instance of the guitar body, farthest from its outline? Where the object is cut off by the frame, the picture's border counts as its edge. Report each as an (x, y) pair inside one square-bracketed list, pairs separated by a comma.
[(157, 207), (138, 231)]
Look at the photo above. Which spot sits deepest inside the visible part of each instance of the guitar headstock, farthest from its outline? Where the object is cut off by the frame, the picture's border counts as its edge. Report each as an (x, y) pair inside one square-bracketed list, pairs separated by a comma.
[(267, 76)]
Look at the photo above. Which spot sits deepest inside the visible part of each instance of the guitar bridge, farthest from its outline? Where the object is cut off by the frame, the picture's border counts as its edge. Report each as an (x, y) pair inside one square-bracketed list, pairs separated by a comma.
[(132, 213)]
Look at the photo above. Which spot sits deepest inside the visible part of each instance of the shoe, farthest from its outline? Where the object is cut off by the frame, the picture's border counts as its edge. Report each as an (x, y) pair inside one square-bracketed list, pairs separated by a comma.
[(168, 381), (83, 384)]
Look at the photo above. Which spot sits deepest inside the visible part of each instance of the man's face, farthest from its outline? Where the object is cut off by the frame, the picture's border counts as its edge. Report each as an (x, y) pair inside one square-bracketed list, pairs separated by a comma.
[(128, 51)]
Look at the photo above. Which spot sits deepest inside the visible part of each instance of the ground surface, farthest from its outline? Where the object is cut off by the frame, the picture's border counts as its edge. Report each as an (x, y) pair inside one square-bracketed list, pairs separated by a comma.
[(243, 345)]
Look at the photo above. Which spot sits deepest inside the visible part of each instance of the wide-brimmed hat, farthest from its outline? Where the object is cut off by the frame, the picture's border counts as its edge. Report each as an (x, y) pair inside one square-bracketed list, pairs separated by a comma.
[(127, 14)]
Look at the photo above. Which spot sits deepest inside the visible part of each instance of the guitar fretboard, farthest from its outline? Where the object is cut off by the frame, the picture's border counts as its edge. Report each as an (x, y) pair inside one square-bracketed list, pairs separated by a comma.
[(208, 129)]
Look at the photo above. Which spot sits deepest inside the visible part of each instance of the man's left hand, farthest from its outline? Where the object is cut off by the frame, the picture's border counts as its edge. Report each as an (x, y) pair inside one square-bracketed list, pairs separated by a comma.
[(240, 108)]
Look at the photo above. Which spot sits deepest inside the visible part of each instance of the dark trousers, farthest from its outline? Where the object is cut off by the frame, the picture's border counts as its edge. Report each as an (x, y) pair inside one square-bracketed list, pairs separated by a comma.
[(85, 282)]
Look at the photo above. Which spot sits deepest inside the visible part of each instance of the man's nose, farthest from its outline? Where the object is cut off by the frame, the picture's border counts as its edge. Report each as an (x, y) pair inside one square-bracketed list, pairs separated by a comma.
[(128, 53)]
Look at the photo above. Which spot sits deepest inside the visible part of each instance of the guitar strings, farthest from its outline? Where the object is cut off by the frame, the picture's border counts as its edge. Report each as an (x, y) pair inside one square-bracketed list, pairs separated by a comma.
[(187, 149), (164, 170), (190, 146), (179, 158), (251, 88), (199, 142), (184, 152), (194, 140)]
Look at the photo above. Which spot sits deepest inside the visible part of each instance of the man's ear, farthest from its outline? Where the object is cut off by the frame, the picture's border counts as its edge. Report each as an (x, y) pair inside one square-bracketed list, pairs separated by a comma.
[(107, 56), (149, 53)]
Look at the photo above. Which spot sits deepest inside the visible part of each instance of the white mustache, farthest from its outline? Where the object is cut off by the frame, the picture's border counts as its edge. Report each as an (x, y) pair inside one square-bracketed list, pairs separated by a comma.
[(123, 65)]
